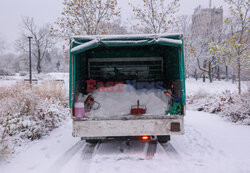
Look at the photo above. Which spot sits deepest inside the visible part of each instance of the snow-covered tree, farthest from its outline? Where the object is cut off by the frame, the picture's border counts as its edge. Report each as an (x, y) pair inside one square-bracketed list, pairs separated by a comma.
[(155, 16), (9, 63), (85, 17), (198, 50), (41, 40), (55, 61), (115, 27), (202, 34), (235, 47), (2, 45), (183, 25)]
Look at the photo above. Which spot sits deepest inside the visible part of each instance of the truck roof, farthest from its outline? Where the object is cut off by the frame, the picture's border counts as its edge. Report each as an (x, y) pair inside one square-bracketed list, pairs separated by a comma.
[(83, 43), (128, 36)]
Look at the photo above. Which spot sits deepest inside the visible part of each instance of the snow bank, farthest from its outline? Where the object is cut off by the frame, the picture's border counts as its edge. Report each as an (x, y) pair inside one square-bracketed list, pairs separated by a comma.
[(119, 103), (220, 97)]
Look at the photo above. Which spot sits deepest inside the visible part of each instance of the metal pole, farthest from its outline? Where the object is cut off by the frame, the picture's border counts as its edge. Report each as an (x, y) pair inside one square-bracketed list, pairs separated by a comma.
[(30, 58)]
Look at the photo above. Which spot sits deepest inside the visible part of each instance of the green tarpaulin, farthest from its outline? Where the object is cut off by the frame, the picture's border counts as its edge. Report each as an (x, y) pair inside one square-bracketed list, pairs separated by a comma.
[(168, 46)]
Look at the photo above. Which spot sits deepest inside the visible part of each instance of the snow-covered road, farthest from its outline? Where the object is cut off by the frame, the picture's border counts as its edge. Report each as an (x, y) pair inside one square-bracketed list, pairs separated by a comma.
[(210, 144)]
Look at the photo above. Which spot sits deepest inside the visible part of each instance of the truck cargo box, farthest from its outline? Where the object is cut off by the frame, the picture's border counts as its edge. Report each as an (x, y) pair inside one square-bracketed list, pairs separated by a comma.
[(128, 59)]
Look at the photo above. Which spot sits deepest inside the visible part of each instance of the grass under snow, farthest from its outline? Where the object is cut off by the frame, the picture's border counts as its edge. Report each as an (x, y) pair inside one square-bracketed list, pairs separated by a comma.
[(29, 112)]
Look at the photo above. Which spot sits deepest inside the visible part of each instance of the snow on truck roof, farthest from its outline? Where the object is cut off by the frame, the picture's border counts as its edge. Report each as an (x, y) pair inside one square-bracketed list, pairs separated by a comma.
[(129, 36), (83, 43)]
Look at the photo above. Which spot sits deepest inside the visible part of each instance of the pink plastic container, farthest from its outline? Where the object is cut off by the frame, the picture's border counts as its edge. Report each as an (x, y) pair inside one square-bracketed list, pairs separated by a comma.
[(79, 111)]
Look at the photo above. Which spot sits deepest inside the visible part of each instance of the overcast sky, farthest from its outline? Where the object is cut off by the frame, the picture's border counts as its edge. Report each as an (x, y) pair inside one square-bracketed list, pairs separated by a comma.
[(45, 11)]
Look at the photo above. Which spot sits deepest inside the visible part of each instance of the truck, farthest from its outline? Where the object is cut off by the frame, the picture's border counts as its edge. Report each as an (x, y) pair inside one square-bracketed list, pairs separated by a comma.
[(138, 58)]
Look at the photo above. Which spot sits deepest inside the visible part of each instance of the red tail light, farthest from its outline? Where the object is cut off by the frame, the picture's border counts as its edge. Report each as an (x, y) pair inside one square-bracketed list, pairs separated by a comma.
[(144, 138)]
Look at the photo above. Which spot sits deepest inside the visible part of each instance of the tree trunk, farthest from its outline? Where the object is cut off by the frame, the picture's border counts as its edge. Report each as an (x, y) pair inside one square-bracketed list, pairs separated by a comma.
[(210, 73), (226, 73), (233, 77), (38, 67), (218, 73), (204, 78), (196, 75), (239, 77)]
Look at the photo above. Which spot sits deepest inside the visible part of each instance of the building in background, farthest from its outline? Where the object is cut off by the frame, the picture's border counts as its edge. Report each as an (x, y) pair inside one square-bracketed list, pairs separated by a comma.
[(206, 21)]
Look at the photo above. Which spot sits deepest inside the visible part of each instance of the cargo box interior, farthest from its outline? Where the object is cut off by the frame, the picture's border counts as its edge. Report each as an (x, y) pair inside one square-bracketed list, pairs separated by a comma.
[(143, 63)]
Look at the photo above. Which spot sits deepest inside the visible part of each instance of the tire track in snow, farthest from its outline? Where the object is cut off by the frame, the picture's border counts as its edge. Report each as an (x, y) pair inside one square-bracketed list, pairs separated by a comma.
[(65, 158), (88, 151), (118, 155), (87, 154), (171, 157), (152, 145), (170, 150)]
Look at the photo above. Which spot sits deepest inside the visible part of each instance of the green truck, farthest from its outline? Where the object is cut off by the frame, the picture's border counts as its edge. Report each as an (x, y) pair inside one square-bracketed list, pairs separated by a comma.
[(119, 58)]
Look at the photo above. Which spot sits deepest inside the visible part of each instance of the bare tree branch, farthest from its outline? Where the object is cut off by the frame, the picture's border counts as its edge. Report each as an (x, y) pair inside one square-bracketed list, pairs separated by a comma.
[(41, 40), (203, 69)]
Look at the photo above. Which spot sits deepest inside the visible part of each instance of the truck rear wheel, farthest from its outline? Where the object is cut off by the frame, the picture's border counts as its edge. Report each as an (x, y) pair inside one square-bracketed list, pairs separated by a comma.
[(163, 139)]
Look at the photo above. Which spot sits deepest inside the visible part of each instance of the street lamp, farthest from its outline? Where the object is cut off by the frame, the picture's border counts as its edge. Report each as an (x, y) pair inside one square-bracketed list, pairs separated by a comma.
[(30, 58)]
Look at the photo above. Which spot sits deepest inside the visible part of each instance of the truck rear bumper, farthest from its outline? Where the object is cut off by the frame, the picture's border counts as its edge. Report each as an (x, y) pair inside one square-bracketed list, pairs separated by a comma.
[(138, 127)]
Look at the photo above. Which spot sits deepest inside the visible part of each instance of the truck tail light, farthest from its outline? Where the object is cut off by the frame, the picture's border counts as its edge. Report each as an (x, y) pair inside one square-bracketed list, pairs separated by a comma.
[(144, 138), (175, 127)]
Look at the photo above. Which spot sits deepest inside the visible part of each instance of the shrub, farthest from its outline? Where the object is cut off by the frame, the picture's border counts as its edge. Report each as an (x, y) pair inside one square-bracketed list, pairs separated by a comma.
[(30, 112)]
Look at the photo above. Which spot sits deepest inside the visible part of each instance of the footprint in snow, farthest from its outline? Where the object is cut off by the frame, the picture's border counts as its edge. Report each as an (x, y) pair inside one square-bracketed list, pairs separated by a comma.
[(44, 148), (59, 135), (47, 155), (32, 167)]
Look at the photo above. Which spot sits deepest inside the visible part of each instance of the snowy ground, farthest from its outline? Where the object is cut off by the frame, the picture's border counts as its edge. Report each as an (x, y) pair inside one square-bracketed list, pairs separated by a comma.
[(216, 87), (210, 144), (10, 80), (220, 97)]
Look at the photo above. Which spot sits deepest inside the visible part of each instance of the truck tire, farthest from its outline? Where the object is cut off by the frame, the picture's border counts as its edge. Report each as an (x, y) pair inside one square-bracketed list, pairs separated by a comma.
[(163, 139), (92, 141)]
